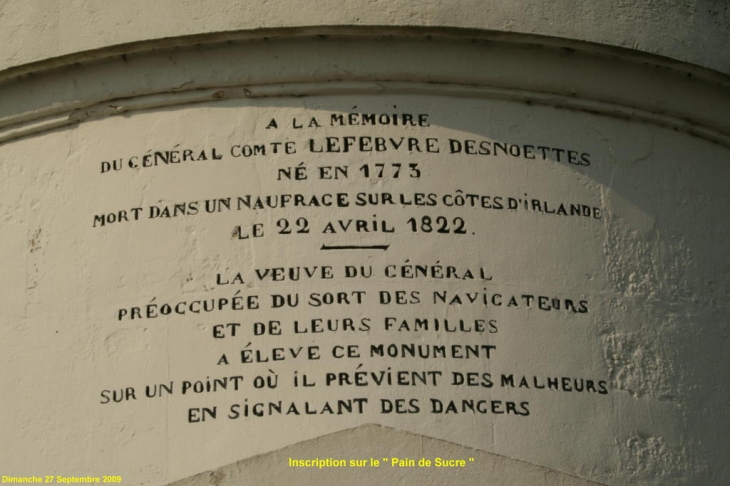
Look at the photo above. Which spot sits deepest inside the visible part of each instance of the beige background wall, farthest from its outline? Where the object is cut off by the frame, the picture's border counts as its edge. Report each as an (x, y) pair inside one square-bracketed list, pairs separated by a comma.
[(569, 167), (688, 30)]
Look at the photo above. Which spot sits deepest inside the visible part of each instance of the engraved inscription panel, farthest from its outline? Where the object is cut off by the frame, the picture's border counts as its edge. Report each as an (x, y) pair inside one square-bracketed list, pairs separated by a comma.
[(220, 280)]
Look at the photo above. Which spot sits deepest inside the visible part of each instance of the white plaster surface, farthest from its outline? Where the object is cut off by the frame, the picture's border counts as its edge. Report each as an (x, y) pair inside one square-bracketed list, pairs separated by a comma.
[(637, 144), (372, 442), (688, 30), (650, 268)]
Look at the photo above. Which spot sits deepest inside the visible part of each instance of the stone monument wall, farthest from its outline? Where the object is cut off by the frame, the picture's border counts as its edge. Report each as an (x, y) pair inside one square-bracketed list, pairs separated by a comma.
[(473, 243)]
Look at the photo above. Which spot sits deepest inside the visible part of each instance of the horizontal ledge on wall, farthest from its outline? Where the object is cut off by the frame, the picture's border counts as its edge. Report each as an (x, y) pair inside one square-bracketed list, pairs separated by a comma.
[(590, 80), (361, 31), (73, 115)]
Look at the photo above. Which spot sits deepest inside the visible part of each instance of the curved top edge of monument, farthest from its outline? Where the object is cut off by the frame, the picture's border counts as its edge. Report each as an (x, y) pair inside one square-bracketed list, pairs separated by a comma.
[(683, 30)]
